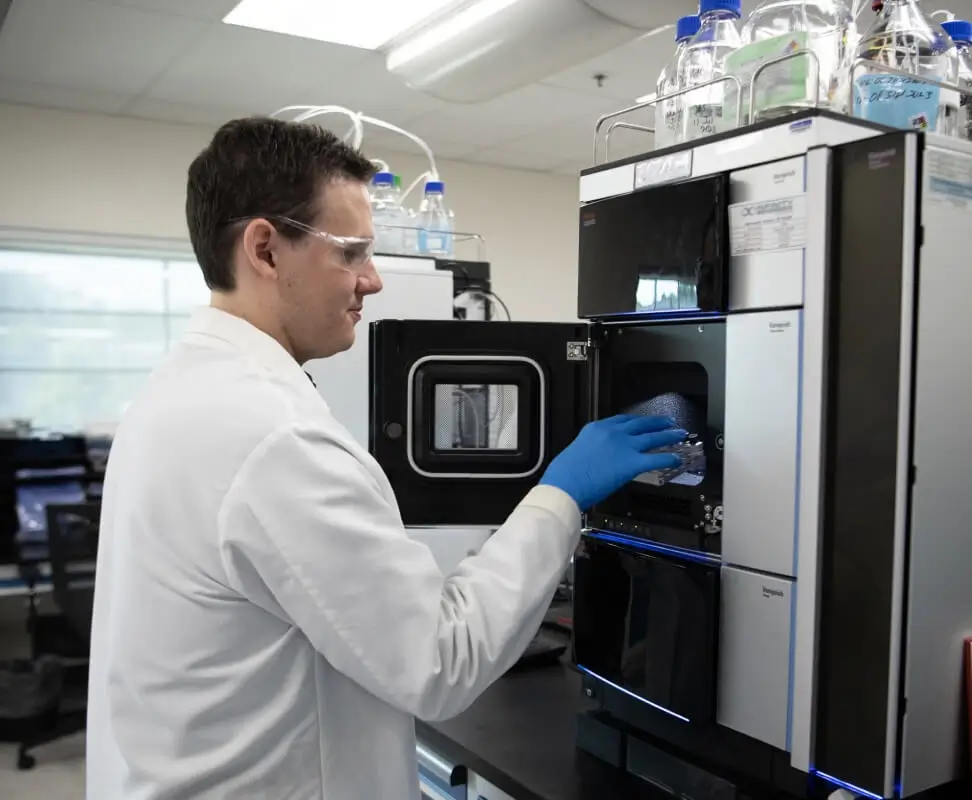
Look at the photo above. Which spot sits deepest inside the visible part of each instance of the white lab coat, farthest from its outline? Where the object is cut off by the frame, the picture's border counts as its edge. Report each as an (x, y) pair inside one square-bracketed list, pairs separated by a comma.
[(263, 627)]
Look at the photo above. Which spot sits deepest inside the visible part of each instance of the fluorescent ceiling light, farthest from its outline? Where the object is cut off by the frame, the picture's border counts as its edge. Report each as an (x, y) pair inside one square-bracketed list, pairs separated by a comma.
[(453, 26), (368, 24)]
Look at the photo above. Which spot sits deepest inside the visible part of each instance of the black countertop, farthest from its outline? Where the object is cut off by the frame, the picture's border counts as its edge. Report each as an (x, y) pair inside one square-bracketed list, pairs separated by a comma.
[(520, 736)]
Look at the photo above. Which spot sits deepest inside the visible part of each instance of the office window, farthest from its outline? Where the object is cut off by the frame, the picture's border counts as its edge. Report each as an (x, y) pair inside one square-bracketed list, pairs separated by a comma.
[(80, 332)]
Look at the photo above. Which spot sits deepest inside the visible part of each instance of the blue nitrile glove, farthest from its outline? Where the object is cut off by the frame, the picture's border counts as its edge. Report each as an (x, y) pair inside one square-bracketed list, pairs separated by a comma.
[(610, 452)]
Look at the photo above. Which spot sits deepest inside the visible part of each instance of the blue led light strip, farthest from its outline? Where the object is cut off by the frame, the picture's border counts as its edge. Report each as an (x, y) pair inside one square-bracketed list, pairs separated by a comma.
[(645, 544), (667, 313), (845, 785), (632, 694)]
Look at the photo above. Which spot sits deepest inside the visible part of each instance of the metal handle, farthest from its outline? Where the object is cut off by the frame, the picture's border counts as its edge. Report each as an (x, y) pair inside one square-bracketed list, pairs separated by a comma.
[(438, 768), (430, 792), (664, 98), (626, 125), (779, 59)]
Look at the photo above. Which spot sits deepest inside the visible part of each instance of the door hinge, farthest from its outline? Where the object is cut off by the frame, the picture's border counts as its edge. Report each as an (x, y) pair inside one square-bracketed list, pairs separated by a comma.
[(577, 351)]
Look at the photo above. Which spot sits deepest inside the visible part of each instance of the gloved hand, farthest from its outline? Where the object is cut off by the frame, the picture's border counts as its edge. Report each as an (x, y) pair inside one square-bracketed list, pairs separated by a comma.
[(610, 452)]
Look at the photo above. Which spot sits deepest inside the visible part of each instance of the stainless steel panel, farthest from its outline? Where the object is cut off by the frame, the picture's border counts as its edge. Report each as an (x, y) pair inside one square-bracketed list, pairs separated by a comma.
[(762, 417), (939, 612), (772, 278), (810, 461), (754, 654)]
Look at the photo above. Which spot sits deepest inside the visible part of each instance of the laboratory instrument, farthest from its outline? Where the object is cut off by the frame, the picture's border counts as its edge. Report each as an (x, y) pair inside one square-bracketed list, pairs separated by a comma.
[(788, 612)]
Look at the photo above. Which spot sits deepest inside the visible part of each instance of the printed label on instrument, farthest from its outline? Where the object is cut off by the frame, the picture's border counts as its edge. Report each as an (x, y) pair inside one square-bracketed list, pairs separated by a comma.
[(768, 225), (663, 169), (949, 178)]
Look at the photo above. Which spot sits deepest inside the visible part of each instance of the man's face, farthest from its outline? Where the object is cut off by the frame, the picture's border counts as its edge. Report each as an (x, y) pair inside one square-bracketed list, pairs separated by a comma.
[(321, 290)]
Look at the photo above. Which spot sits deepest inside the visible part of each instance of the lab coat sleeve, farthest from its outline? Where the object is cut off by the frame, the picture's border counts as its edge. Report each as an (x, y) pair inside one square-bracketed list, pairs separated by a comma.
[(307, 534)]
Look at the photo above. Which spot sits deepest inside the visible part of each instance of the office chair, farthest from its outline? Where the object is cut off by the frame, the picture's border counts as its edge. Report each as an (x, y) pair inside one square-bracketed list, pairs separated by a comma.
[(72, 533)]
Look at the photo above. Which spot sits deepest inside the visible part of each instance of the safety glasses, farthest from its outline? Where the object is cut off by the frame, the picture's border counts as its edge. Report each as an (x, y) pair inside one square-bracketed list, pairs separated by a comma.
[(355, 252)]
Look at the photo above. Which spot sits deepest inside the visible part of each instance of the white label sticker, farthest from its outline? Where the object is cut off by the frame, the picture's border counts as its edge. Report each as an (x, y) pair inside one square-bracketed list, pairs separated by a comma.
[(663, 169), (768, 225), (949, 178)]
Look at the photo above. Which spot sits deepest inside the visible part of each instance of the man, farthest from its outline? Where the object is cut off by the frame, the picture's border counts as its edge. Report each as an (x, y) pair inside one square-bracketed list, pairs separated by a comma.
[(263, 627)]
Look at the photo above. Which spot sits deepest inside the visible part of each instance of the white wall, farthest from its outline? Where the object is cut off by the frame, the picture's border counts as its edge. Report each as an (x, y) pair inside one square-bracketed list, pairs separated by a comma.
[(92, 174)]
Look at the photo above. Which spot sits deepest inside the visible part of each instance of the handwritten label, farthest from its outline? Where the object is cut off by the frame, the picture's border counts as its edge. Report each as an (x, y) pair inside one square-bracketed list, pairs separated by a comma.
[(663, 169), (896, 101), (768, 225)]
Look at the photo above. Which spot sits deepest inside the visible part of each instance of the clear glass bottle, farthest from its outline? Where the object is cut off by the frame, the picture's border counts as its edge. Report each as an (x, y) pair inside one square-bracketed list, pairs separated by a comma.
[(408, 221), (667, 112), (436, 222), (904, 38), (703, 60), (961, 33), (386, 214), (777, 28)]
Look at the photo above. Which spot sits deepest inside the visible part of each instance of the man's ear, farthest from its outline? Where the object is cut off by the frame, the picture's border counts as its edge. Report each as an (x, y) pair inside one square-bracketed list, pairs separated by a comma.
[(260, 239)]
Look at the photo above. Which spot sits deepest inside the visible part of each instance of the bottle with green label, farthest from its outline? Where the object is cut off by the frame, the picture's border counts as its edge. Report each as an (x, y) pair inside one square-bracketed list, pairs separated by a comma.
[(778, 28)]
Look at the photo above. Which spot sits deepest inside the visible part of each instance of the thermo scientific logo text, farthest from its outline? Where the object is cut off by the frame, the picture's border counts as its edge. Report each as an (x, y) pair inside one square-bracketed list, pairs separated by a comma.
[(771, 207)]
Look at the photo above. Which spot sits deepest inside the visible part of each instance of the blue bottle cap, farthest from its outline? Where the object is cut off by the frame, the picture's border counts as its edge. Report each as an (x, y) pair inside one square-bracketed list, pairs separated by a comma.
[(733, 6), (434, 186), (383, 179), (687, 27), (959, 30)]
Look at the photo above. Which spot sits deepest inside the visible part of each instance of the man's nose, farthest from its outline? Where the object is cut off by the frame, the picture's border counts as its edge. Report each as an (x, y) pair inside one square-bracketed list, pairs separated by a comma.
[(370, 280)]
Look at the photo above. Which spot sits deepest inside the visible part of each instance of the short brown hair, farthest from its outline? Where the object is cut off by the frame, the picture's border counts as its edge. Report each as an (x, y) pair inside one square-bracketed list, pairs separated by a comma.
[(260, 166)]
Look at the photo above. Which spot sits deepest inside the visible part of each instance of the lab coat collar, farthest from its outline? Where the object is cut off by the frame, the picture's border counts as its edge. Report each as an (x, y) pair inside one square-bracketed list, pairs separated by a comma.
[(257, 345)]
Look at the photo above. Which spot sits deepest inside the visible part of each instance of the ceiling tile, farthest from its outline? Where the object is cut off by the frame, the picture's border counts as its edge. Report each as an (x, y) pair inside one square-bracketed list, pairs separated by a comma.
[(91, 46), (248, 68), (516, 160), (384, 144), (213, 10), (367, 86), (508, 117), (55, 97), (630, 71), (570, 138), (573, 139), (164, 111), (571, 168)]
